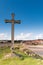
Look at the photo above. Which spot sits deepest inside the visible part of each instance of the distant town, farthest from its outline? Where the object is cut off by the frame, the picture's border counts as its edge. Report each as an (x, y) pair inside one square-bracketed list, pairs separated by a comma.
[(26, 42)]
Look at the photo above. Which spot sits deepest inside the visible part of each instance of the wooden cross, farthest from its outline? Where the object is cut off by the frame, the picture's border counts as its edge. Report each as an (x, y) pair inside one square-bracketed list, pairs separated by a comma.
[(12, 29)]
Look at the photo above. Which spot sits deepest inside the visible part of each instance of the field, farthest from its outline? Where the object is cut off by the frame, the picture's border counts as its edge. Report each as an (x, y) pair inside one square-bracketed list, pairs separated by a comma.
[(24, 60)]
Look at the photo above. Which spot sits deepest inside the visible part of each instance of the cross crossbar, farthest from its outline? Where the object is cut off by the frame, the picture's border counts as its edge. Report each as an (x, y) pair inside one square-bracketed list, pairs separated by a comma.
[(13, 21)]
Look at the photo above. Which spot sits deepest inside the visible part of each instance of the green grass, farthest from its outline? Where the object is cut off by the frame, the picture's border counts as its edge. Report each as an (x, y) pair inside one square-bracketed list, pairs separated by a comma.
[(3, 51), (16, 60)]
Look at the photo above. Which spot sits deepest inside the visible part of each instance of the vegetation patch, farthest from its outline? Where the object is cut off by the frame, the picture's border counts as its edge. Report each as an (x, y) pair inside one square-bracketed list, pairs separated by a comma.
[(24, 59)]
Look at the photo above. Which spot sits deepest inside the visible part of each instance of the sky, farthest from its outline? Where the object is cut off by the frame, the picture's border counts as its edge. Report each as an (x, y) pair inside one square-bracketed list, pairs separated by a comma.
[(30, 12)]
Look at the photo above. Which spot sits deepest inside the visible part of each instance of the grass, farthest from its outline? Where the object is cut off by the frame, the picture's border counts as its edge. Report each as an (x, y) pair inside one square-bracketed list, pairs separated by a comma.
[(3, 51), (16, 60)]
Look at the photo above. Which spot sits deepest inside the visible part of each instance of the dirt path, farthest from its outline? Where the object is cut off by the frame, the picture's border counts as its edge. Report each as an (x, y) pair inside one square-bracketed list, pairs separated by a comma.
[(36, 49)]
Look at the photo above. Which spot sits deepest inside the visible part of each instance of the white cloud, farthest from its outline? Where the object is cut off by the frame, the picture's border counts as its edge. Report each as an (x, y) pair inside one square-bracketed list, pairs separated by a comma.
[(23, 36), (28, 36), (39, 36), (3, 36)]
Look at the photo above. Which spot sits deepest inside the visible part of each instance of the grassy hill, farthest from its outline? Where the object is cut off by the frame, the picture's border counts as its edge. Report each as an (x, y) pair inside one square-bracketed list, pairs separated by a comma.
[(25, 60)]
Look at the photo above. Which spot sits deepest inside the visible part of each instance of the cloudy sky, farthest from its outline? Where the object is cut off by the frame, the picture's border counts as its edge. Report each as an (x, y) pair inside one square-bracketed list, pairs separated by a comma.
[(30, 12)]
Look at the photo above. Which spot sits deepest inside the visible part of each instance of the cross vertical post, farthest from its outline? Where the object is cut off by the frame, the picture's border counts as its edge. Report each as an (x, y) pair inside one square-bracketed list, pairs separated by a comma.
[(12, 33)]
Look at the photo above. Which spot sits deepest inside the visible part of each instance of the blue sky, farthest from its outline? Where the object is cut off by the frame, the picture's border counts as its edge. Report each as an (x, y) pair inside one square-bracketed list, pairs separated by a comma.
[(30, 12)]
